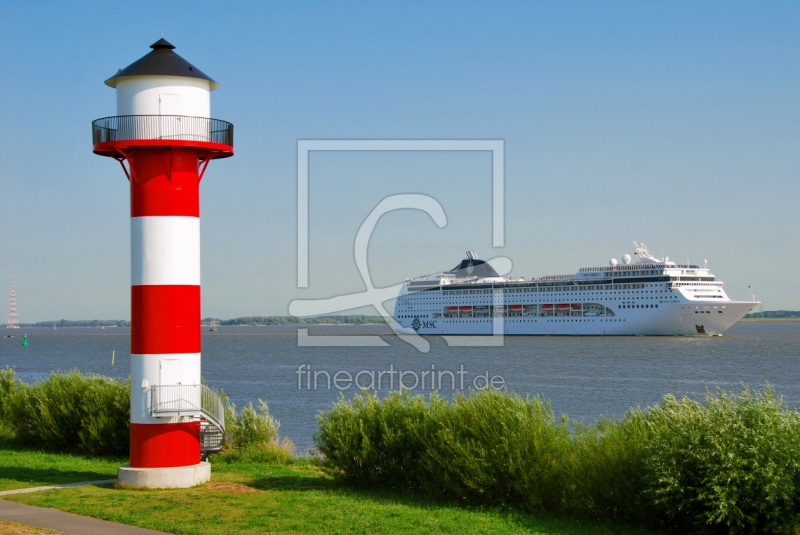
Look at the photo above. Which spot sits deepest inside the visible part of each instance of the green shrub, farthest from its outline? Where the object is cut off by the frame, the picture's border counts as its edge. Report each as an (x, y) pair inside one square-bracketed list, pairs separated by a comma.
[(733, 461), (511, 457), (249, 427), (374, 442), (498, 449), (9, 384), (252, 436), (73, 412), (275, 451), (609, 467)]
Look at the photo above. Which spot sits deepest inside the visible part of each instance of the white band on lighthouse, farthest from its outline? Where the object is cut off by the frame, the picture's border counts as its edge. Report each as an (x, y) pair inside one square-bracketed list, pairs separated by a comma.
[(165, 250), (153, 370)]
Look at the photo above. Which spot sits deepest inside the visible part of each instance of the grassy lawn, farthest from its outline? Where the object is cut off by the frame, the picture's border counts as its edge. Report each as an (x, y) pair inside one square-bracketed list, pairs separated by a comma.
[(24, 468), (259, 498), (254, 498)]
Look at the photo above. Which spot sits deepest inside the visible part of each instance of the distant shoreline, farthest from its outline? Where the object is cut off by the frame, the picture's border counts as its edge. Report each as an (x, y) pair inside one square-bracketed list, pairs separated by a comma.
[(244, 321), (286, 321), (769, 319)]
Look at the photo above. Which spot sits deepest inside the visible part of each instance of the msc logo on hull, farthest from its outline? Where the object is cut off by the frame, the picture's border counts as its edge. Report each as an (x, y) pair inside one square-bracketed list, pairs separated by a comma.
[(427, 324)]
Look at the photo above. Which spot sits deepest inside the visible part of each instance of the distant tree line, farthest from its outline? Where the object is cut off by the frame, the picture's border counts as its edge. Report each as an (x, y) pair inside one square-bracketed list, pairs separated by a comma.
[(291, 320), (245, 320), (777, 314), (76, 323)]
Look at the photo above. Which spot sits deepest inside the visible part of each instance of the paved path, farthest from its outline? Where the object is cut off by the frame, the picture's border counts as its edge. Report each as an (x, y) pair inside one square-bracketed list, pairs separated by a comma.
[(65, 522)]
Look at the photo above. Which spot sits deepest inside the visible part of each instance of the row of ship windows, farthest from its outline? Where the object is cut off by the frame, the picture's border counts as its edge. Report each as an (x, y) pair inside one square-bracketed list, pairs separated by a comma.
[(432, 299), (573, 307), (545, 310), (551, 296), (513, 303), (588, 288)]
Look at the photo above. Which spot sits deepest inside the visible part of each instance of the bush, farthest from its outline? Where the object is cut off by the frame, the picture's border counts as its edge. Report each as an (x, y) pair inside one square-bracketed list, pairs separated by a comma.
[(275, 451), (452, 450), (610, 467), (91, 414), (252, 436), (73, 412), (731, 463), (9, 384), (249, 427), (498, 449), (369, 441)]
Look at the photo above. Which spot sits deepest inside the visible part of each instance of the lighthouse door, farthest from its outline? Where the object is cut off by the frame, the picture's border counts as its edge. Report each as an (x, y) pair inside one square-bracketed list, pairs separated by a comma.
[(171, 371), (170, 126), (169, 104)]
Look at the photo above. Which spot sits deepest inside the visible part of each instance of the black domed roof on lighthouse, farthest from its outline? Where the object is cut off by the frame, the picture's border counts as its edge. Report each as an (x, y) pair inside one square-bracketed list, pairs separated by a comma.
[(162, 61)]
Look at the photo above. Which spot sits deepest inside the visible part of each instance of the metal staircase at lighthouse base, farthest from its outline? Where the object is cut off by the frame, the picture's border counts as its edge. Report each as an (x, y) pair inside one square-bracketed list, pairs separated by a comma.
[(197, 402)]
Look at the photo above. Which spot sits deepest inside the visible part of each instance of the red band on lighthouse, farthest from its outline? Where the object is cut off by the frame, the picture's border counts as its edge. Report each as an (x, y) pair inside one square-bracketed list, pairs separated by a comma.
[(165, 319), (164, 445), (164, 181)]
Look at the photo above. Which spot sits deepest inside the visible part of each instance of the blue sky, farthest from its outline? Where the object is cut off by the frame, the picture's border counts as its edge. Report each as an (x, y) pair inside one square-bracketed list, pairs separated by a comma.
[(676, 124)]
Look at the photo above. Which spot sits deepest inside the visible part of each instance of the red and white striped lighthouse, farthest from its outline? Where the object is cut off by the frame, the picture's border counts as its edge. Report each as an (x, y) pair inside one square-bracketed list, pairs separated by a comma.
[(164, 131)]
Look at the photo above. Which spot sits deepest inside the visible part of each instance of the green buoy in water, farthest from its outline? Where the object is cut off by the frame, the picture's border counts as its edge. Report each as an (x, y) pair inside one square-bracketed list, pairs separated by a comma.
[(24, 339)]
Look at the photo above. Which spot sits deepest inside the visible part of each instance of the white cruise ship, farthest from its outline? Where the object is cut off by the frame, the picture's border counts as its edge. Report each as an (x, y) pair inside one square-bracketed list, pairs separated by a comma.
[(647, 296)]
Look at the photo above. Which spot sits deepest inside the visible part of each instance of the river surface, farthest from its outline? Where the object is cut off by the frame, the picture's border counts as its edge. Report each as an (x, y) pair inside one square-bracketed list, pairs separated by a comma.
[(584, 377)]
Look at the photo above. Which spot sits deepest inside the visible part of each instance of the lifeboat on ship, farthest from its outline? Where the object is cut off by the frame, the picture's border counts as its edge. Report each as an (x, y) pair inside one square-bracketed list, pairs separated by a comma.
[(547, 307), (466, 309), (562, 307), (516, 307), (576, 306)]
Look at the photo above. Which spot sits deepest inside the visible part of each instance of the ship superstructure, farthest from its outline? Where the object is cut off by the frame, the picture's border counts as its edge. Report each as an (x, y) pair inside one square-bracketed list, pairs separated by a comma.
[(648, 296)]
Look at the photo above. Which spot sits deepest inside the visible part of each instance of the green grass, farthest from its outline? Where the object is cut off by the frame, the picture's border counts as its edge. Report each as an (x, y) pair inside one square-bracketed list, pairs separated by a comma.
[(289, 499), (25, 468)]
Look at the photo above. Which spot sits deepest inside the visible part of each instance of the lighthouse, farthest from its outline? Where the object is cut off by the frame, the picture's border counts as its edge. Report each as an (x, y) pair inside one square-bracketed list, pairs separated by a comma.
[(163, 136)]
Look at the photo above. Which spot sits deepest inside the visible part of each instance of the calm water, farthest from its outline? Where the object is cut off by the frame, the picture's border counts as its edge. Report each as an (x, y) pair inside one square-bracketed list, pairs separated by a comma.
[(584, 377)]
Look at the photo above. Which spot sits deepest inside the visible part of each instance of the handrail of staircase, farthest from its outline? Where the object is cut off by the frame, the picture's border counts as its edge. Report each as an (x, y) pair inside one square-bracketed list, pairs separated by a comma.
[(189, 399)]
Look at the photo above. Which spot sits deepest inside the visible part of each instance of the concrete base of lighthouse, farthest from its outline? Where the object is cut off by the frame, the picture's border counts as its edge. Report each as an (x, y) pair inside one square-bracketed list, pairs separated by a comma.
[(179, 477)]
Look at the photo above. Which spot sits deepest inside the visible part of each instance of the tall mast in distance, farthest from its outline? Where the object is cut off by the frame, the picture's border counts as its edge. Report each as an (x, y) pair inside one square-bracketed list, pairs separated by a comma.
[(13, 321)]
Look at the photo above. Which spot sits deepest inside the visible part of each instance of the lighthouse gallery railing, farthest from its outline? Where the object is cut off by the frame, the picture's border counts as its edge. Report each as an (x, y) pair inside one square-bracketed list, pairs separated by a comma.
[(173, 127), (187, 400)]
